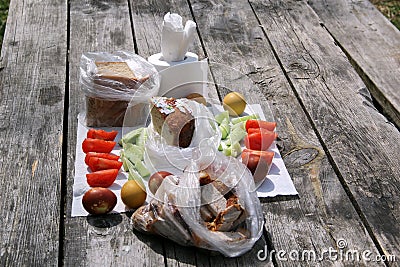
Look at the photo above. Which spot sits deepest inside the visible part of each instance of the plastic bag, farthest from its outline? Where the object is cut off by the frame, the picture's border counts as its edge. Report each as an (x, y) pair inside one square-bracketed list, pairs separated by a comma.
[(224, 189), (109, 89), (159, 155)]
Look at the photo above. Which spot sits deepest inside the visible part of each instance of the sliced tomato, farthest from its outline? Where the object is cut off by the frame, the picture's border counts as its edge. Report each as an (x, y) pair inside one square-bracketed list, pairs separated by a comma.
[(100, 155), (270, 126), (260, 140), (258, 130), (101, 134), (104, 178), (97, 145), (98, 164), (258, 162)]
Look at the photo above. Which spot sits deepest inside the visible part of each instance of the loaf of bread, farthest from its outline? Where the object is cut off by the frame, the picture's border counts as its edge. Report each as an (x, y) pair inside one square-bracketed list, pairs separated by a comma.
[(103, 111), (173, 121)]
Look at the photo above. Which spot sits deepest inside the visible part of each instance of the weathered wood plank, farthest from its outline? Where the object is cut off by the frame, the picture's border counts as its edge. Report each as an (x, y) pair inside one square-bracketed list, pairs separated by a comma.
[(360, 144), (323, 213), (32, 85), (371, 42), (107, 240)]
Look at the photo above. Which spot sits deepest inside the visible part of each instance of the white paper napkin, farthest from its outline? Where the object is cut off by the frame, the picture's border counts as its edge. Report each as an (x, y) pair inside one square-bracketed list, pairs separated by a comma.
[(278, 180)]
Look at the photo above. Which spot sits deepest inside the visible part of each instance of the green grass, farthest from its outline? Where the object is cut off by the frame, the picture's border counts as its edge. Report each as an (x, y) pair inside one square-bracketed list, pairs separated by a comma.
[(391, 10), (3, 17)]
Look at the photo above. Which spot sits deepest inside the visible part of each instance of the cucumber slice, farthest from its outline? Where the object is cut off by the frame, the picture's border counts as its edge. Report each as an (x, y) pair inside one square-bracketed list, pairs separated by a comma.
[(227, 151), (134, 153), (141, 168), (241, 125), (236, 136), (141, 140), (245, 118), (221, 116), (225, 128), (124, 165), (130, 137), (134, 175), (236, 149)]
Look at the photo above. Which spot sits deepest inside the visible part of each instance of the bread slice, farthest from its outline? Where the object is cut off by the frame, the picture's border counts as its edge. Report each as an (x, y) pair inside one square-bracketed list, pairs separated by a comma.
[(107, 72), (172, 121)]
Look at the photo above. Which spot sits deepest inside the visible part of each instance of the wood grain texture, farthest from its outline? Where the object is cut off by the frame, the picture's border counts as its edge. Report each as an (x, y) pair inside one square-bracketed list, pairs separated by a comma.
[(104, 240), (323, 213), (371, 42), (361, 145), (32, 83)]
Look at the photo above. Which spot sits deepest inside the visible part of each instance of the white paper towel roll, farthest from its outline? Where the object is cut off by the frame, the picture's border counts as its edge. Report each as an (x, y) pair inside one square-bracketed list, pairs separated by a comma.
[(157, 61)]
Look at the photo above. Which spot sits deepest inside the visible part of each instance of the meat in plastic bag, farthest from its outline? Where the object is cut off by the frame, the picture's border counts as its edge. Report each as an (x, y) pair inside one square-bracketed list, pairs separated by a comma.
[(211, 206)]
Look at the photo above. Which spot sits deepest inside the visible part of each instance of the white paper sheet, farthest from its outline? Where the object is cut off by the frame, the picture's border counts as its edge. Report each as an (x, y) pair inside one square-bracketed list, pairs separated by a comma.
[(278, 180)]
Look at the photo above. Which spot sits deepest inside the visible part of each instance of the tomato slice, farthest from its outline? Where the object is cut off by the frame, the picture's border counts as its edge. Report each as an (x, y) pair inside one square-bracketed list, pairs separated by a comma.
[(98, 164), (100, 155), (104, 178), (258, 162), (258, 130), (270, 126), (260, 140), (97, 145), (101, 134)]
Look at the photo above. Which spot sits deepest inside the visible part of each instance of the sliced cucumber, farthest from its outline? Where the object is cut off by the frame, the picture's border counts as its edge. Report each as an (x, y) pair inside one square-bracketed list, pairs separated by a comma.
[(130, 138), (141, 168), (221, 116), (245, 118), (134, 153), (225, 128), (236, 136), (141, 140), (236, 149)]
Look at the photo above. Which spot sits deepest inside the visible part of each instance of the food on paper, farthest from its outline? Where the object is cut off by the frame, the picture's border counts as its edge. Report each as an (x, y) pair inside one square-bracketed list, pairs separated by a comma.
[(156, 179), (103, 178), (260, 140), (258, 162), (198, 98), (132, 153), (132, 194), (270, 126), (98, 164), (97, 145), (172, 119), (100, 155), (234, 103), (99, 200), (102, 134)]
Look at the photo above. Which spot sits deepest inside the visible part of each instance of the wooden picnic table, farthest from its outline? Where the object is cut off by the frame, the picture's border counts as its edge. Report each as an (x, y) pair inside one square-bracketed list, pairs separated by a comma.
[(329, 70)]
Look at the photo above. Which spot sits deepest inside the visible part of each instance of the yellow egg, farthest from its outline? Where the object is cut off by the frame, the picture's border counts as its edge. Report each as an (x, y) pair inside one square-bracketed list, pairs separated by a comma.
[(234, 103), (132, 194)]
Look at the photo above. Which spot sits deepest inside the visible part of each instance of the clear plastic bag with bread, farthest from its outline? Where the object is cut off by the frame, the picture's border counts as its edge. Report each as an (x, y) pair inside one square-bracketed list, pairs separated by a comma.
[(211, 205), (162, 154), (110, 81)]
